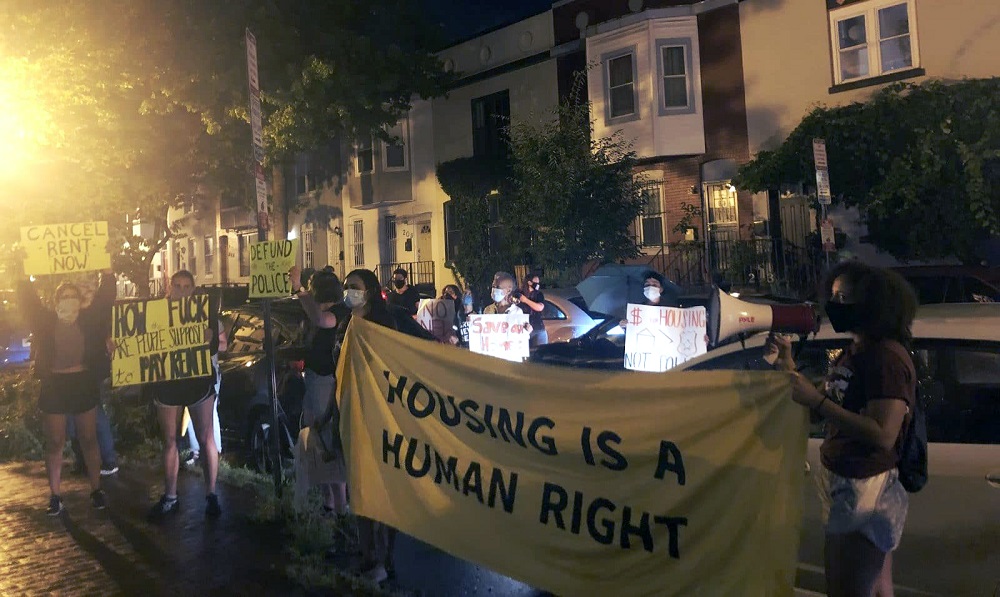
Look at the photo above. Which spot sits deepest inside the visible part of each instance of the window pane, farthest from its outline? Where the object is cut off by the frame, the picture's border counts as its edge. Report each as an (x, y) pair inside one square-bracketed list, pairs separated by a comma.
[(896, 54), (551, 311), (394, 156), (851, 32), (893, 21), (622, 101), (673, 61), (620, 71), (961, 393), (675, 92), (652, 231), (854, 64), (652, 201)]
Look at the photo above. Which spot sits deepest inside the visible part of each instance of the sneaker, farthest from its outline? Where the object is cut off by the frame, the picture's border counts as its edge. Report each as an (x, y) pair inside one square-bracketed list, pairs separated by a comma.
[(212, 507), (107, 471), (164, 507), (191, 459), (99, 499), (55, 506), (375, 574)]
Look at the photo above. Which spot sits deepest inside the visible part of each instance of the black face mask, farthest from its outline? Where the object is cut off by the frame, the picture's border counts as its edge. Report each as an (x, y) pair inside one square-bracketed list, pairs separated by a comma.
[(844, 317), (399, 283), (536, 286)]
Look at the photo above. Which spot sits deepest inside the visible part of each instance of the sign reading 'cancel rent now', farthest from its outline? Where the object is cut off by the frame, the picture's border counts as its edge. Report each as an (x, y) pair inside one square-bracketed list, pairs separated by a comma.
[(65, 248)]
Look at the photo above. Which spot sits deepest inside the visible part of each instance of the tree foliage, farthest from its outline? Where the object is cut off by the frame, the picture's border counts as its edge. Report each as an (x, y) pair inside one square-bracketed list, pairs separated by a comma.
[(131, 107), (920, 162), (577, 194)]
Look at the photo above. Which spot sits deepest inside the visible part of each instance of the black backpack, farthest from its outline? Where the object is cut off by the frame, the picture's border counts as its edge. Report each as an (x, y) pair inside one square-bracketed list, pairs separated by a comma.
[(913, 450)]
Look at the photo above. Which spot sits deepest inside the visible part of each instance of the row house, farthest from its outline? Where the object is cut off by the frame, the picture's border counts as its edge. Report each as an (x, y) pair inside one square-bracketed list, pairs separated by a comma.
[(699, 86)]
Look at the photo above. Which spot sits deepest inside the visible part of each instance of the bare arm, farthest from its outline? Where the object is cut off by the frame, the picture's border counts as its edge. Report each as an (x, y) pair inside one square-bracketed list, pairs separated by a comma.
[(536, 307)]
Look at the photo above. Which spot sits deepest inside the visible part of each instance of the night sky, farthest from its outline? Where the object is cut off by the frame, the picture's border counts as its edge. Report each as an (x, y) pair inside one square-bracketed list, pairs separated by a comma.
[(462, 19)]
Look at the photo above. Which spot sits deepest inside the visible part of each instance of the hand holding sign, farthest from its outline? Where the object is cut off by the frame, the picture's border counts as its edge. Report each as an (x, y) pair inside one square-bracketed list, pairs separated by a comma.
[(660, 338)]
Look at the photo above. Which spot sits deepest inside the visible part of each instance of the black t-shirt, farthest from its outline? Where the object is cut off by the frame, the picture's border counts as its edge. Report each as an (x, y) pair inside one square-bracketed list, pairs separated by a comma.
[(408, 299), (322, 341), (534, 317)]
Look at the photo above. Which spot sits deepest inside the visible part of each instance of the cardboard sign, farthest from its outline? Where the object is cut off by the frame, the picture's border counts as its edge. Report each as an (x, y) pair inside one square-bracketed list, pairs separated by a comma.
[(160, 340), (269, 264), (437, 316), (65, 248), (660, 338), (504, 336)]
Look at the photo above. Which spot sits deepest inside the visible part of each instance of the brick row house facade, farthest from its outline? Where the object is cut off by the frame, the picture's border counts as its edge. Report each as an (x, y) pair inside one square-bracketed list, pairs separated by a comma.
[(699, 86)]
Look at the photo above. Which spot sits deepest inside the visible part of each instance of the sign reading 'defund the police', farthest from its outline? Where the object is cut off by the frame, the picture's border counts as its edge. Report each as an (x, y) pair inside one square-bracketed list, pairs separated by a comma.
[(65, 248), (269, 265), (661, 338), (160, 340)]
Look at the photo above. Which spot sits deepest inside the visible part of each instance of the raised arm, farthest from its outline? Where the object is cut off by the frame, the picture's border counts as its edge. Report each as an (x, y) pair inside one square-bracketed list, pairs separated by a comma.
[(321, 319)]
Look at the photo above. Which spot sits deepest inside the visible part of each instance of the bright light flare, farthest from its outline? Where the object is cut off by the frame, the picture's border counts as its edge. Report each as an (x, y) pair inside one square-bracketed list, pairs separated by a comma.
[(26, 128)]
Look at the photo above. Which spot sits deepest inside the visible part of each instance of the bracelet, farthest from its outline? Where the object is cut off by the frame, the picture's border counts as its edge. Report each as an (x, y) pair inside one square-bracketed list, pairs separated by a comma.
[(816, 408)]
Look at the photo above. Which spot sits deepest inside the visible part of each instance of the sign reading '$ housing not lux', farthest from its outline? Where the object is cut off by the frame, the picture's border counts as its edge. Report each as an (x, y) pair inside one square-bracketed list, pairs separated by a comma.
[(269, 265)]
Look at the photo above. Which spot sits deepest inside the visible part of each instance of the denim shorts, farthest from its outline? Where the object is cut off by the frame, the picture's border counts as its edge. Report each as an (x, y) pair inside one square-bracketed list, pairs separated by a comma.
[(874, 506)]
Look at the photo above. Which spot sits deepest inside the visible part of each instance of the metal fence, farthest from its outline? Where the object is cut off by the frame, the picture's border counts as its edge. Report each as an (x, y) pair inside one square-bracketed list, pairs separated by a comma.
[(419, 273)]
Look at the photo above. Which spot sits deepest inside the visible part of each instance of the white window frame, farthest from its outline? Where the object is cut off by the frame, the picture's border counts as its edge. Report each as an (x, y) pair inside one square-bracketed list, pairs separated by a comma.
[(358, 242), (358, 150), (208, 246), (401, 132), (606, 59), (243, 241), (686, 46), (308, 246), (872, 37)]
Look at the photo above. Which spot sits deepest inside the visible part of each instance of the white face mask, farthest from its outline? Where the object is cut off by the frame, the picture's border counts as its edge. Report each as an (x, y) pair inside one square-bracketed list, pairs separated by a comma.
[(68, 309), (652, 293), (498, 295), (354, 298)]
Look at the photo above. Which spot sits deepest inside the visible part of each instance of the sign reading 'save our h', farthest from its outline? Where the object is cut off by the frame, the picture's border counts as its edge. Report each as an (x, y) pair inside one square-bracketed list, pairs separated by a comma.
[(65, 248), (500, 335), (160, 340), (269, 265)]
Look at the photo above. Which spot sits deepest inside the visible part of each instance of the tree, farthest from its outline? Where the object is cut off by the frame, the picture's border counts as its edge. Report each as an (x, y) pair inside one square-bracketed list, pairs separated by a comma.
[(577, 195), (132, 107), (920, 162)]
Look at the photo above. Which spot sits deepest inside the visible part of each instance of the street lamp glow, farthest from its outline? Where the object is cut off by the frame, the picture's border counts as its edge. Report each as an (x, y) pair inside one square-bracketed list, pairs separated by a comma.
[(24, 123)]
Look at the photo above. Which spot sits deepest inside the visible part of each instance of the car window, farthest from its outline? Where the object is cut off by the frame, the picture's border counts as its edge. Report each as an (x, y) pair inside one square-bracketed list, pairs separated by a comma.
[(552, 312), (960, 391), (247, 334), (977, 291)]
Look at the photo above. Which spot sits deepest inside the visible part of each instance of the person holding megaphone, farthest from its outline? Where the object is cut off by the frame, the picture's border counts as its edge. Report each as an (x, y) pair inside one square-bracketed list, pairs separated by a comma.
[(865, 400)]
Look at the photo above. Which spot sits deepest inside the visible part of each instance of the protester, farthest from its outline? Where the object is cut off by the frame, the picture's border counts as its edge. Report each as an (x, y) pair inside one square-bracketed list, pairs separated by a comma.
[(363, 296), (105, 438), (653, 284), (532, 302), (71, 359), (195, 448), (198, 395), (402, 294), (452, 293), (322, 303), (501, 293), (865, 401)]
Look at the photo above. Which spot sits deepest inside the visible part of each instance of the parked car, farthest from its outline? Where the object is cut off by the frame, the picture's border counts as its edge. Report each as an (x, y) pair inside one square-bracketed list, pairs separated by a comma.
[(953, 284), (952, 530), (601, 347), (15, 337), (566, 315), (245, 412)]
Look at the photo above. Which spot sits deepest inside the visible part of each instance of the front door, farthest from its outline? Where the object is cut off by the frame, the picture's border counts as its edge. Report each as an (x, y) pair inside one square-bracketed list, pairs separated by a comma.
[(423, 241), (722, 222)]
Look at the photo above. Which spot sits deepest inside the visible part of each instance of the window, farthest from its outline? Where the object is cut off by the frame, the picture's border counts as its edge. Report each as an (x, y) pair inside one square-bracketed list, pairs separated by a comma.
[(552, 312), (365, 159), (192, 257), (245, 240), (960, 391), (620, 79), (452, 233), (675, 67), (490, 119), (649, 227), (395, 153), (308, 240), (178, 257), (358, 242), (390, 239), (209, 244), (872, 39)]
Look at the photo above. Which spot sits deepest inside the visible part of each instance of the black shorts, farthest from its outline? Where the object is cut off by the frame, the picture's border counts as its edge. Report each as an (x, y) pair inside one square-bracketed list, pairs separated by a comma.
[(181, 392), (69, 393)]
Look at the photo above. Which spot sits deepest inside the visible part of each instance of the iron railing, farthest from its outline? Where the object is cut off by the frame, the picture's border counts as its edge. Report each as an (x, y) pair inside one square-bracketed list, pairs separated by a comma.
[(419, 273)]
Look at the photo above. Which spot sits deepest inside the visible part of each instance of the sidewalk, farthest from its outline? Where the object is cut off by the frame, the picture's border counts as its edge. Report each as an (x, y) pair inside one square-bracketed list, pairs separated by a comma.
[(117, 552)]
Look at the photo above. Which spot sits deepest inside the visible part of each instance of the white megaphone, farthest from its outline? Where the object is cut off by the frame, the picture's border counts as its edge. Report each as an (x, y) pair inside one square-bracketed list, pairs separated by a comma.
[(728, 316)]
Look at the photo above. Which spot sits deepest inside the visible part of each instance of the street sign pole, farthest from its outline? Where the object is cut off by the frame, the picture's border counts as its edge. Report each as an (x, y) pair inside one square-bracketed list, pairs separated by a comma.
[(824, 196), (263, 224)]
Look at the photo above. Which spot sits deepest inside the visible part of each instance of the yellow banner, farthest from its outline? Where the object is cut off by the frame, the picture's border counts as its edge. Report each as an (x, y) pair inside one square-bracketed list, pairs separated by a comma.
[(269, 265), (577, 482), (160, 340), (65, 248)]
